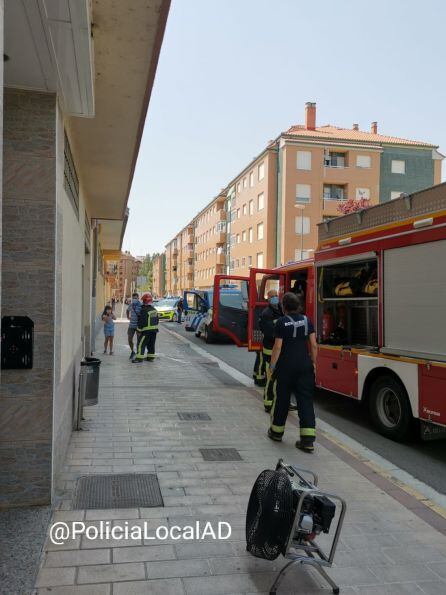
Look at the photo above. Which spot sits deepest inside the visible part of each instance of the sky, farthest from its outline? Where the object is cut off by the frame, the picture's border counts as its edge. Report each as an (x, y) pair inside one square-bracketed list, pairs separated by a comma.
[(233, 74)]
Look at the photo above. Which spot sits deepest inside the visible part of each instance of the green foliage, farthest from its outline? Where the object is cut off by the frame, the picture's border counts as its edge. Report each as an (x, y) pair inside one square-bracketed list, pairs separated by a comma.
[(146, 271)]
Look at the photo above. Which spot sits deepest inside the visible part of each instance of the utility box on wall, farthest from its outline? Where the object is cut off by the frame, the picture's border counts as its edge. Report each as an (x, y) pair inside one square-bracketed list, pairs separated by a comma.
[(17, 342)]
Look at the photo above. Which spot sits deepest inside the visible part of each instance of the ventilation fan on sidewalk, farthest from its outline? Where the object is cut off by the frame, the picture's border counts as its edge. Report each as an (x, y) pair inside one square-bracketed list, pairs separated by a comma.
[(286, 512), (270, 515)]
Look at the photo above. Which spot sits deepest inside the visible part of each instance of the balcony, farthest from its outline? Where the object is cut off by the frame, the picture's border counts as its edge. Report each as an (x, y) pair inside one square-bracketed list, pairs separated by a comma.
[(175, 252), (220, 258), (220, 237), (330, 206), (221, 215), (189, 269)]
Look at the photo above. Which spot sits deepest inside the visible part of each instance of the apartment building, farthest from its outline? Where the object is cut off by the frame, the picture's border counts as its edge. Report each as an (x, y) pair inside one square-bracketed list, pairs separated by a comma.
[(274, 204), (128, 271), (159, 275), (186, 258), (210, 242), (252, 211)]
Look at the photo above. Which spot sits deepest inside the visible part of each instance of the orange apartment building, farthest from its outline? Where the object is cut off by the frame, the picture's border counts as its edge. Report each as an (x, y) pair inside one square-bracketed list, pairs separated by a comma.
[(127, 273), (159, 275), (179, 254), (274, 205), (210, 242)]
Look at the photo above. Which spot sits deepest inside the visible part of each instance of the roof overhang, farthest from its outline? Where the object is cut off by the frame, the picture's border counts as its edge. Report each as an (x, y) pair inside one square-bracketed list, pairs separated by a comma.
[(100, 58), (111, 232), (49, 48)]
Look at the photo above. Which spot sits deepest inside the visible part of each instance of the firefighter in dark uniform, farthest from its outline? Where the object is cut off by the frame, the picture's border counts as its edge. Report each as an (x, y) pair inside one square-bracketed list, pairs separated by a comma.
[(267, 319), (267, 322), (293, 368), (147, 329)]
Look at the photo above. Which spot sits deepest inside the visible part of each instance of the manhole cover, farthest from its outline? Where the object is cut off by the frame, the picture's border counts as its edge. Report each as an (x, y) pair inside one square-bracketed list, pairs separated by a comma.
[(129, 490), (220, 454), (194, 416)]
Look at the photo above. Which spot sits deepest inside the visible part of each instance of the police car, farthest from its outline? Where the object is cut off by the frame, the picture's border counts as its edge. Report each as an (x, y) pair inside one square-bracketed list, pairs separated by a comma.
[(167, 308)]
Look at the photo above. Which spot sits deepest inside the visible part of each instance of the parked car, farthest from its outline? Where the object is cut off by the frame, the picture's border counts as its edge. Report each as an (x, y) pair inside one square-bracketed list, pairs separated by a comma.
[(167, 308)]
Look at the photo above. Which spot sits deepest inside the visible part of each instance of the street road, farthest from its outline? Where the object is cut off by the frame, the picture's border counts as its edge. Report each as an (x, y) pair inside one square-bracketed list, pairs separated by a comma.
[(424, 460)]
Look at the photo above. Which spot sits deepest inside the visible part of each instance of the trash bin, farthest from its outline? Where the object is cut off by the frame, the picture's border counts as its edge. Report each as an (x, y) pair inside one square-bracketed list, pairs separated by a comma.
[(90, 367)]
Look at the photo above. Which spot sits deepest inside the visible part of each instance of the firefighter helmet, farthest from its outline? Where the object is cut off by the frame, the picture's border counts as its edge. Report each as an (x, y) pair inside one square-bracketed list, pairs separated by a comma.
[(147, 298)]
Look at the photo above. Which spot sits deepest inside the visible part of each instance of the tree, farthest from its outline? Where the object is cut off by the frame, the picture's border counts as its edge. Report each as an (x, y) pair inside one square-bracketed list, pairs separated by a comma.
[(352, 205), (146, 271)]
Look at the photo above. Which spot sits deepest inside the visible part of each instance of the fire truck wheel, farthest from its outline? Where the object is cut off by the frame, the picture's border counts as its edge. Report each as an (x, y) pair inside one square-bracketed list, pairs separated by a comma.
[(390, 408)]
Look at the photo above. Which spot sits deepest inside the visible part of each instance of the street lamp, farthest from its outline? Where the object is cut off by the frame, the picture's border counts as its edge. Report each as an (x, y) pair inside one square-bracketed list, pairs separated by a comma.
[(301, 208)]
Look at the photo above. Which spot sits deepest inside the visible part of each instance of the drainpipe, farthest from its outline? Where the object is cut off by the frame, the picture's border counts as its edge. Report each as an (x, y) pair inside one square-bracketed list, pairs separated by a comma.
[(94, 276)]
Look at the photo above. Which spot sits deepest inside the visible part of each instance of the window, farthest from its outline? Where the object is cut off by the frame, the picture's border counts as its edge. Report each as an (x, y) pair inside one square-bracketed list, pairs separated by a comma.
[(250, 235), (260, 260), (363, 161), (303, 193), (260, 201), (71, 183), (395, 194), (238, 238), (251, 179), (249, 261), (245, 182), (301, 255), (237, 263), (304, 160), (243, 262), (302, 225), (362, 193), (238, 213), (244, 236), (398, 167), (261, 171), (335, 192), (260, 231), (244, 209), (239, 188), (251, 207)]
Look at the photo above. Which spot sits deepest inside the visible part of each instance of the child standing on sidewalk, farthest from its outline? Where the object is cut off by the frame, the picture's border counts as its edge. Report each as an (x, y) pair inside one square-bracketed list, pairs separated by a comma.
[(108, 319)]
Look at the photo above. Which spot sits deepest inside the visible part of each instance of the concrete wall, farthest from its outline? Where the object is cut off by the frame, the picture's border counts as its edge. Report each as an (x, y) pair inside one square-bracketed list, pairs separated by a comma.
[(419, 171), (43, 256), (69, 302), (28, 289)]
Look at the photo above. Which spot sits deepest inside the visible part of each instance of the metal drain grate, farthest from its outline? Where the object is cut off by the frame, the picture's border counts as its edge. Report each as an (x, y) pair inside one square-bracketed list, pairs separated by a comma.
[(220, 454), (194, 416), (128, 490)]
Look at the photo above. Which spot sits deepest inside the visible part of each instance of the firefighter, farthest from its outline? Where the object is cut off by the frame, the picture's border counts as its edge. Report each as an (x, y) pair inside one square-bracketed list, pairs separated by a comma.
[(147, 329), (267, 321), (293, 368)]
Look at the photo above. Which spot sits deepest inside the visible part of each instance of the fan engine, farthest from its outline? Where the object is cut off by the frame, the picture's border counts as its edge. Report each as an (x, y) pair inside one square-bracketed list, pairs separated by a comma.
[(286, 512)]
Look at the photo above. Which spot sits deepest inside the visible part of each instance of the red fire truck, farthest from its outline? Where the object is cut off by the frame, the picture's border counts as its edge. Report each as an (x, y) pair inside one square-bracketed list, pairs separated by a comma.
[(376, 292)]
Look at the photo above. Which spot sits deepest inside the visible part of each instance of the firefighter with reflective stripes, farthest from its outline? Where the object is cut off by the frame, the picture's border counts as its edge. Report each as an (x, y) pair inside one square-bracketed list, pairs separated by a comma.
[(267, 322), (293, 367), (147, 329)]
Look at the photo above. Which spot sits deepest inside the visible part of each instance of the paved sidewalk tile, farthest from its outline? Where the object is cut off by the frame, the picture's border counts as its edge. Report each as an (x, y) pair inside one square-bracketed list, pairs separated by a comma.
[(384, 548)]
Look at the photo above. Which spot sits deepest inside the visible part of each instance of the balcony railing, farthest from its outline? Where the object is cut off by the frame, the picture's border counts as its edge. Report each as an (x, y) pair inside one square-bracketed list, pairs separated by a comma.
[(336, 198)]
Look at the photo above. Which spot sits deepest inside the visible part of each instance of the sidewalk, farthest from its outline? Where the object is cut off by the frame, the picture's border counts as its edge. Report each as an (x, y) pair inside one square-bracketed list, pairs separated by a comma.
[(385, 547)]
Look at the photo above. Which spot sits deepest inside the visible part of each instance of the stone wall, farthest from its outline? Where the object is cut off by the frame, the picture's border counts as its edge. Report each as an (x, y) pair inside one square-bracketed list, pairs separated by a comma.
[(28, 287)]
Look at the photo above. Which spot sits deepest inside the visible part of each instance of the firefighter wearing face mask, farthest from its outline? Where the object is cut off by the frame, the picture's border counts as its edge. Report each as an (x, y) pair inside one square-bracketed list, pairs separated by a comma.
[(267, 322)]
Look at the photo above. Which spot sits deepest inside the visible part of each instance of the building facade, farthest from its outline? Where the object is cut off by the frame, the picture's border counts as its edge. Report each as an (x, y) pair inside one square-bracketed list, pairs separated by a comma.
[(272, 207), (128, 271), (159, 275), (210, 242), (68, 158)]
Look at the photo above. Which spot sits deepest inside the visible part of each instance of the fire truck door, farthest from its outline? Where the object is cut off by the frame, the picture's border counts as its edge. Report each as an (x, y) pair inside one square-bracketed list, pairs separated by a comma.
[(230, 308), (260, 282)]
